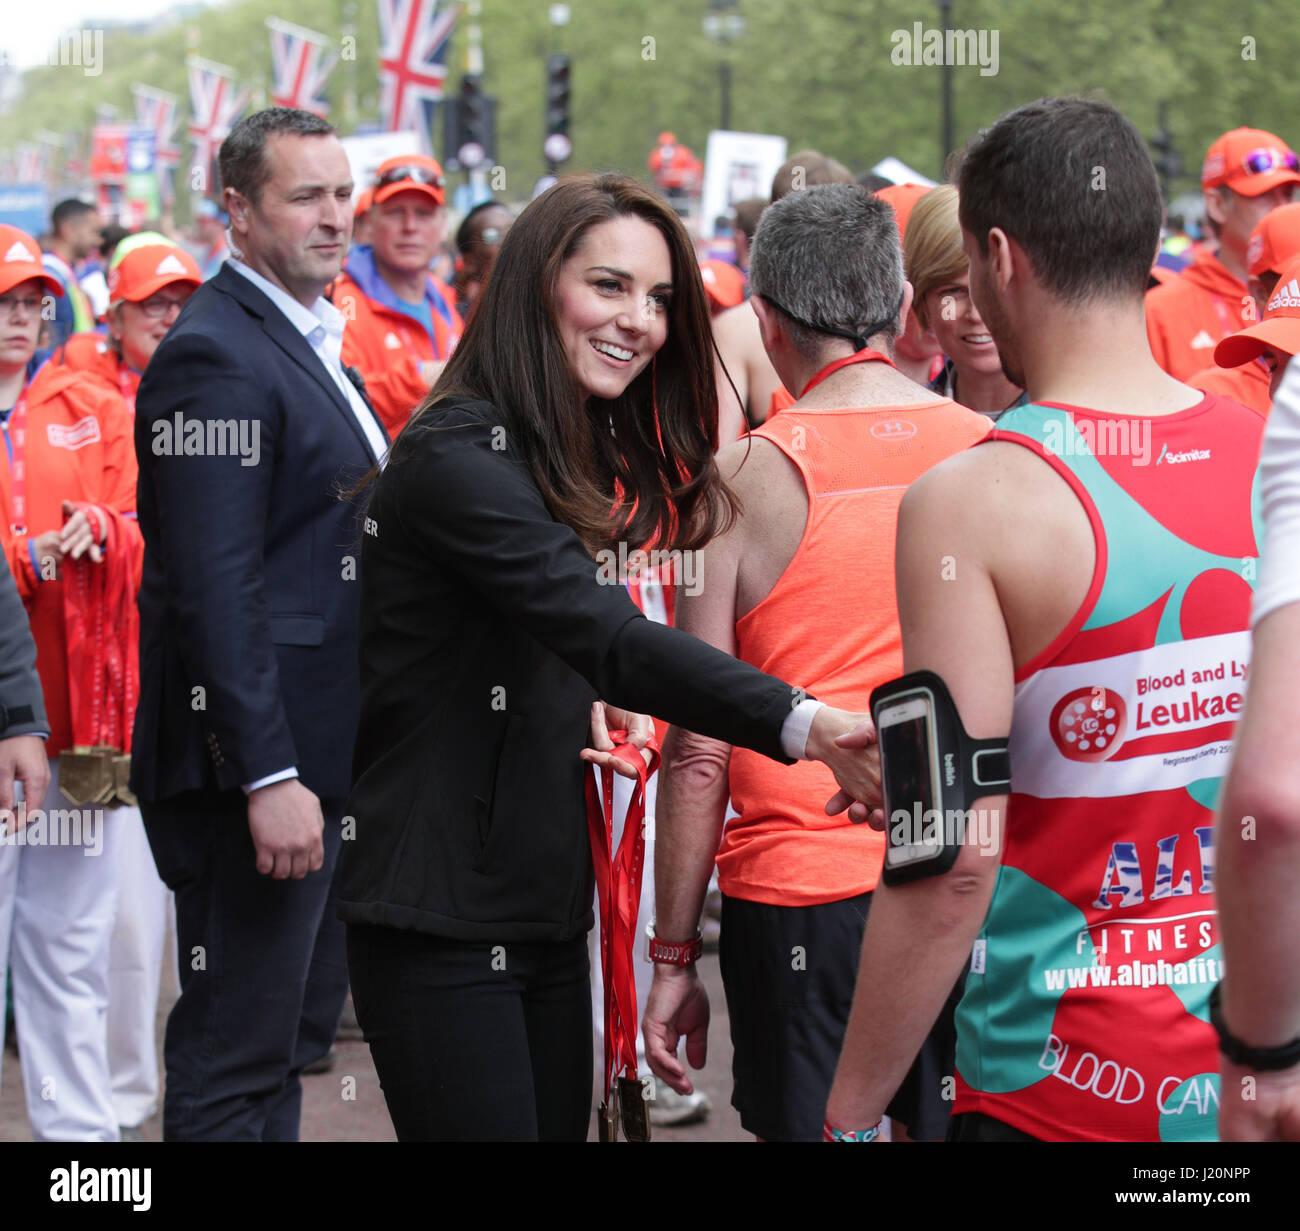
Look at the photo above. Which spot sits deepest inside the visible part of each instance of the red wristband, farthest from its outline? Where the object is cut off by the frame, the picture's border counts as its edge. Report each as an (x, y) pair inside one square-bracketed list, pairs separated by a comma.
[(676, 953)]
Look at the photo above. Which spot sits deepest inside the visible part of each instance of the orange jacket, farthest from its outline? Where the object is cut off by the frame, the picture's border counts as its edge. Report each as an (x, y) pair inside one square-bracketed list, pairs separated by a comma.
[(1247, 384), (387, 346), (1187, 317), (79, 447), (93, 354)]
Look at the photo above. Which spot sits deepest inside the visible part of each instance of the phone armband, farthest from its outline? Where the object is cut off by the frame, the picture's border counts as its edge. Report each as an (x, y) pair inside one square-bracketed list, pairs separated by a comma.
[(932, 772)]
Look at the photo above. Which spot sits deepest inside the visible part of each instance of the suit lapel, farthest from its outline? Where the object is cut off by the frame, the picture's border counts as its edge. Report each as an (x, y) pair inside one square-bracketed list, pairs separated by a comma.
[(285, 335)]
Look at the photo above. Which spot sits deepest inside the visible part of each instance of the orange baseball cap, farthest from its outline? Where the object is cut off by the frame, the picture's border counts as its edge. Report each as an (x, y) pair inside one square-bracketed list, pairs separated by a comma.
[(723, 283), (902, 197), (1250, 161), (409, 173), (1279, 329), (365, 199), (1275, 240), (20, 260), (149, 268)]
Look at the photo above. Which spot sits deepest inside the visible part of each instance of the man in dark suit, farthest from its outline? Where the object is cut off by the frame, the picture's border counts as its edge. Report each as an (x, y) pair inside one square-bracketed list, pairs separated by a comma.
[(247, 430)]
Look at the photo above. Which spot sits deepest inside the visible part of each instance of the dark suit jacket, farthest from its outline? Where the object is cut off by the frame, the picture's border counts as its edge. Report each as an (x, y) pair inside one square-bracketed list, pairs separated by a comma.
[(248, 608), (485, 636), (22, 706)]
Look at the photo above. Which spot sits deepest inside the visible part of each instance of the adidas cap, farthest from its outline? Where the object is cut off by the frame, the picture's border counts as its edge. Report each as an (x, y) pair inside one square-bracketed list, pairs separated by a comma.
[(1279, 329), (20, 261), (146, 269)]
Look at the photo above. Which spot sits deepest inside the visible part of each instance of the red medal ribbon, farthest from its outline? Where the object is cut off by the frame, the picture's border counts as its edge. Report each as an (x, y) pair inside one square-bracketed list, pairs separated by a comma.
[(18, 489), (618, 889), (102, 631), (865, 355), (129, 383)]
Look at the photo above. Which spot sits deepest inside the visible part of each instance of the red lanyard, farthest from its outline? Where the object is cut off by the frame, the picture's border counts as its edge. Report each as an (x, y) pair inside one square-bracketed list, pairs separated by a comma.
[(129, 383), (866, 355), (18, 468), (618, 889)]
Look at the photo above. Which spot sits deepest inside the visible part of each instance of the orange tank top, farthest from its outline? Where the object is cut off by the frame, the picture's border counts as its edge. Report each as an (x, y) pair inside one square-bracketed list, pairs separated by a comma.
[(831, 624)]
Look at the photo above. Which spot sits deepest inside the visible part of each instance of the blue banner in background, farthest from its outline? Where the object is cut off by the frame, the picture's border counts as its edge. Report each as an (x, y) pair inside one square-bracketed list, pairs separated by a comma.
[(25, 206)]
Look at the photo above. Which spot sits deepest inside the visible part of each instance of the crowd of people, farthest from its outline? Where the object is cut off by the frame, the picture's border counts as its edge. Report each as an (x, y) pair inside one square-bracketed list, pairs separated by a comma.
[(309, 615)]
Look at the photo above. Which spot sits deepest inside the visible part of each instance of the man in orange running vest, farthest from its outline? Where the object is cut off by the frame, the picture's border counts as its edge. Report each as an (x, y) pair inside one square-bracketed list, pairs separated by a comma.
[(402, 321), (1247, 173), (804, 582), (1274, 243), (735, 331)]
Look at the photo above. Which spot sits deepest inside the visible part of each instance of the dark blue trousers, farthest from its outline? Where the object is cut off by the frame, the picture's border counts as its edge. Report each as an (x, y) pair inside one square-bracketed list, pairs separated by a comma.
[(263, 972)]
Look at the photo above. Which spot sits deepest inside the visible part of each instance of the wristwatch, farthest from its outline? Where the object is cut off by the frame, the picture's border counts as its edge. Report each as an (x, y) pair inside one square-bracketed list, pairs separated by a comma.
[(676, 953), (1261, 1059)]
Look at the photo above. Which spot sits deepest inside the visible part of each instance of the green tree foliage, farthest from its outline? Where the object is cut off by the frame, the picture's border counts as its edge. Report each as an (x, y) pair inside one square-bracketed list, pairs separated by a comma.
[(820, 73)]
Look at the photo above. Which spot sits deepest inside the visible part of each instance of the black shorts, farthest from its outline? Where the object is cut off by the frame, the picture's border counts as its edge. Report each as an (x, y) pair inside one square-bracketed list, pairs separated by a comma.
[(976, 1126), (789, 974)]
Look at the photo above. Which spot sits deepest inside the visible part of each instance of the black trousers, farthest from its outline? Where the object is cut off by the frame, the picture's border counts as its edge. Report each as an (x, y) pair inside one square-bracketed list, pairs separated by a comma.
[(263, 972), (476, 1041)]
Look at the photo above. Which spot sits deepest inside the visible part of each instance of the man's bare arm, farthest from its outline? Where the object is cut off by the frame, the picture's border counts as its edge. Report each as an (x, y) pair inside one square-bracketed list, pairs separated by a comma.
[(919, 935), (690, 809)]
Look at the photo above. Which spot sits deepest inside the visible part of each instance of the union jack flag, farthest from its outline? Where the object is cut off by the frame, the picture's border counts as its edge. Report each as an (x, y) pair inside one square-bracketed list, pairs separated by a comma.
[(302, 64), (413, 38), (216, 105), (156, 111)]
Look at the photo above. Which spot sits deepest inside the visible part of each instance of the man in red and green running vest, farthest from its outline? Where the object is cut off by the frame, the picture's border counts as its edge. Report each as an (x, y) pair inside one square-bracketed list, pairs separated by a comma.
[(1095, 609)]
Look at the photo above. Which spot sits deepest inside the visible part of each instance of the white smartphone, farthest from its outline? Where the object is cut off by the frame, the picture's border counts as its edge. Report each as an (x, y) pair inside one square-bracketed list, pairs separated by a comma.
[(910, 777)]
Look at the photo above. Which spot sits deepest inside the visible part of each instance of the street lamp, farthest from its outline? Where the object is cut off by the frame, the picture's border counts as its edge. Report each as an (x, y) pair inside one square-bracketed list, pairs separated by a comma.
[(724, 25), (945, 12)]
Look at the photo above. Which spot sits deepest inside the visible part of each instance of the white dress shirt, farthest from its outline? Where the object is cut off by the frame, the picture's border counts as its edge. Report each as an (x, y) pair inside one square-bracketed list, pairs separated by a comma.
[(322, 325)]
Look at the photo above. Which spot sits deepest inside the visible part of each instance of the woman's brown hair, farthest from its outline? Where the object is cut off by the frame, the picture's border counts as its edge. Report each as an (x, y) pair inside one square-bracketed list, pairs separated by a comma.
[(638, 468)]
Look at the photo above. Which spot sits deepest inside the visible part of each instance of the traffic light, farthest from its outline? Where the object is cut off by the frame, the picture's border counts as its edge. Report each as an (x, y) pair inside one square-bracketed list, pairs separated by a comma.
[(557, 95), (557, 146), (471, 124), (1168, 161), (473, 138)]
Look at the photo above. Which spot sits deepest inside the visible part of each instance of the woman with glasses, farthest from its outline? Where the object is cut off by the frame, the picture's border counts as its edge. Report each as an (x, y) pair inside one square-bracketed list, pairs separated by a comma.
[(67, 501), (150, 279), (575, 423), (148, 284)]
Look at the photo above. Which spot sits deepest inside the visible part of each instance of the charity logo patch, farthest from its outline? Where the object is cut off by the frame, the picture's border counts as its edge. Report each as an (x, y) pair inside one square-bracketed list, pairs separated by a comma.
[(1087, 724), (77, 436)]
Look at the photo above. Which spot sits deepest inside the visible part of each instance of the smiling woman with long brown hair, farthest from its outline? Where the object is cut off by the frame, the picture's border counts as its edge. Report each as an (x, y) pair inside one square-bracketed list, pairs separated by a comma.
[(578, 415)]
